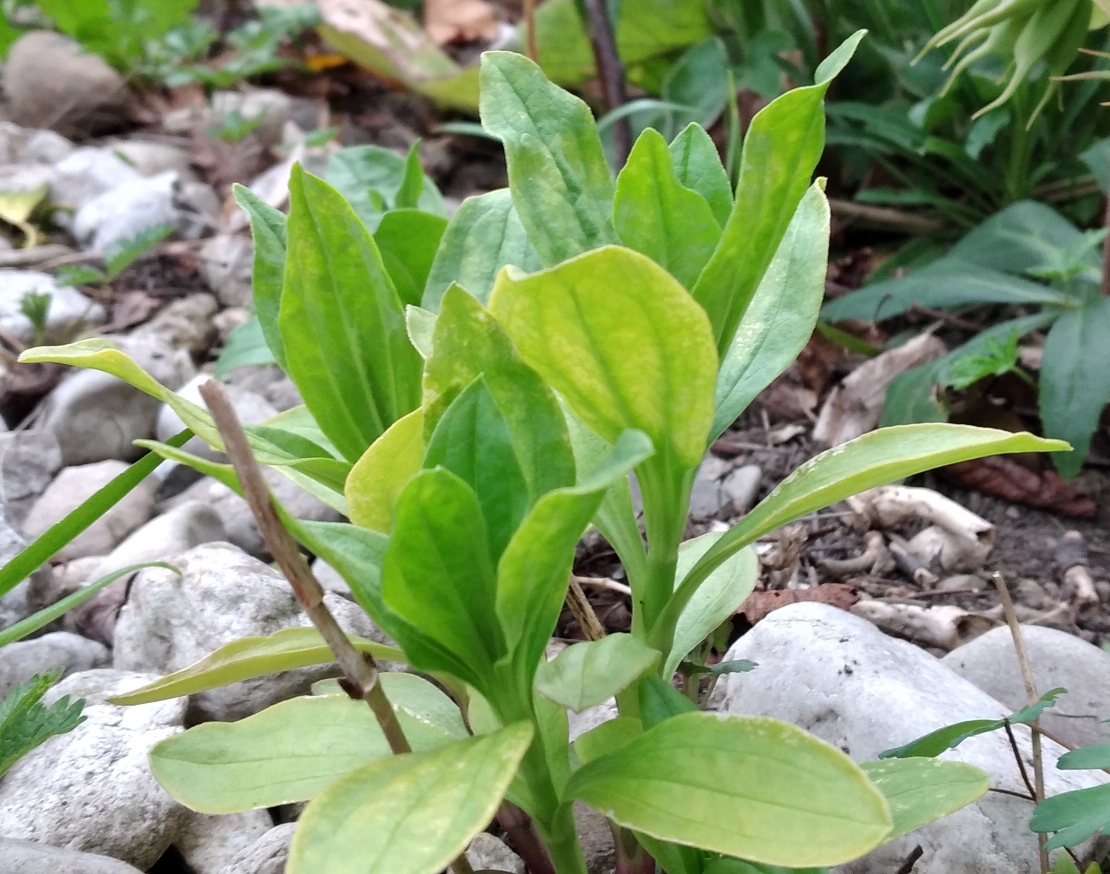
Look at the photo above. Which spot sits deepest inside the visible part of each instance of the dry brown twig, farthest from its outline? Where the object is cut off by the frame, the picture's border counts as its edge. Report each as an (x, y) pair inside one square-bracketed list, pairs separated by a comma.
[(360, 672)]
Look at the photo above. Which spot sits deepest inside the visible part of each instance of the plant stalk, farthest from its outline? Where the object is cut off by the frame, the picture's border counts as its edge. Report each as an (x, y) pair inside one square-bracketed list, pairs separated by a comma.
[(524, 838), (583, 611), (1106, 250), (610, 69), (632, 858), (1031, 692)]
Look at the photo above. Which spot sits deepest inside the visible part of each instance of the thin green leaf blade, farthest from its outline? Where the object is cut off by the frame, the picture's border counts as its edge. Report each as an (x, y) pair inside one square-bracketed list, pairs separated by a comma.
[(410, 814), (586, 674), (343, 325), (782, 314), (668, 784), (872, 460), (657, 216), (698, 166), (922, 790), (560, 181), (248, 658)]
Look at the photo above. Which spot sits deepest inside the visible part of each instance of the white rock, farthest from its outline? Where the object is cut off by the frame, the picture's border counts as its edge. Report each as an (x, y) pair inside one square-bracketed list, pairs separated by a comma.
[(71, 488), (1059, 660), (741, 486), (151, 159), (51, 81), (487, 853), (20, 145), (23, 659), (296, 500), (200, 209), (206, 843), (186, 323), (170, 622), (267, 855), (233, 510), (126, 211), (69, 311), (28, 462), (14, 605), (92, 789), (837, 676), (25, 178), (272, 106), (164, 537), (225, 262), (329, 578), (27, 857), (95, 416), (87, 173)]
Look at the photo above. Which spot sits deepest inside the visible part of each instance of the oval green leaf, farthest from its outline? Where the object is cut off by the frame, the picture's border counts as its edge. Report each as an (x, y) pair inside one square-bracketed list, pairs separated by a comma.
[(751, 787), (922, 790), (586, 674), (291, 751), (376, 480), (410, 814)]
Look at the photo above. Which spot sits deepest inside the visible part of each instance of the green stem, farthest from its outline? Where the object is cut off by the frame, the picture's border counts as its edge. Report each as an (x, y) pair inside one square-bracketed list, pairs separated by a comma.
[(562, 842)]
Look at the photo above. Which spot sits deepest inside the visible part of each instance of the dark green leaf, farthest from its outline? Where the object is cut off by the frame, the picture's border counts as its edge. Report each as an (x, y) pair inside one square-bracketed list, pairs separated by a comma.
[(25, 722), (736, 666), (483, 236), (659, 701), (951, 736), (342, 322), (407, 240), (1074, 816), (370, 179), (1095, 756), (657, 216), (560, 181), (438, 577), (1074, 387), (268, 229)]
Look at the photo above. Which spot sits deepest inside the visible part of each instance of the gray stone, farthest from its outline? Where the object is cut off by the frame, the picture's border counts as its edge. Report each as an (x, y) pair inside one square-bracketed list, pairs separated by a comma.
[(15, 604), (222, 595), (296, 500), (92, 789), (126, 211), (200, 207), (207, 842), (23, 659), (330, 579), (151, 159), (233, 510), (1059, 660), (71, 488), (741, 486), (839, 677), (267, 855), (96, 416), (51, 81), (487, 853), (228, 320), (28, 462), (25, 178), (27, 857), (69, 311), (186, 324), (706, 499), (87, 173), (22, 145), (163, 537), (251, 409), (225, 262), (284, 394)]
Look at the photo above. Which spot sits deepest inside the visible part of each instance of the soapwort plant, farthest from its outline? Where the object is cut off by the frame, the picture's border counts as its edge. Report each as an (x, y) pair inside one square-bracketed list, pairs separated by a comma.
[(573, 331)]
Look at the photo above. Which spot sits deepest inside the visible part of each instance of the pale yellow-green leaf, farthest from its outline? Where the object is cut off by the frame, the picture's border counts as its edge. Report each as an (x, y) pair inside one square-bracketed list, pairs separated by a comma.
[(922, 790), (376, 480)]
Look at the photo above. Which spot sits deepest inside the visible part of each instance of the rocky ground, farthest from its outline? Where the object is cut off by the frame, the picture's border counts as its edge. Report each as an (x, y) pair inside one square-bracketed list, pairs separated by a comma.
[(87, 803)]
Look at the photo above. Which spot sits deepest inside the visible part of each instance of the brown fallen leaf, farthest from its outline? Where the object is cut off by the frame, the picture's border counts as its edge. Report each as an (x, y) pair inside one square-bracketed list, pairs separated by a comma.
[(759, 603), (459, 21), (1005, 478), (133, 308), (25, 385)]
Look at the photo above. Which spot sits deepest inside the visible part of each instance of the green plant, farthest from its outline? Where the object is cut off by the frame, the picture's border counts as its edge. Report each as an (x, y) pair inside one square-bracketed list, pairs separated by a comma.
[(989, 269), (35, 305), (568, 332), (117, 258), (25, 722)]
